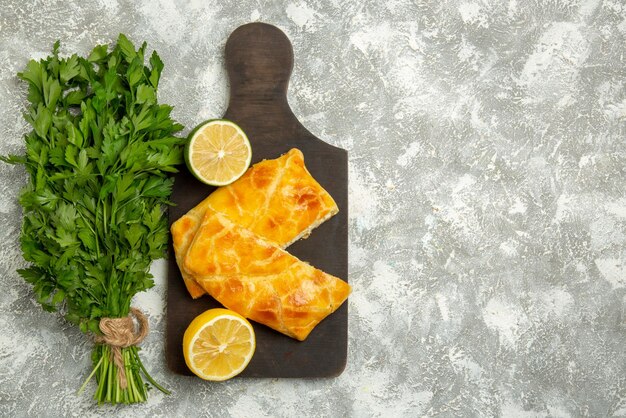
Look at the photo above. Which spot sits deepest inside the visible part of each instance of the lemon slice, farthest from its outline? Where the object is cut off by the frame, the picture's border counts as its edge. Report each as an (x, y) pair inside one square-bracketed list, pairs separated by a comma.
[(218, 344), (218, 152)]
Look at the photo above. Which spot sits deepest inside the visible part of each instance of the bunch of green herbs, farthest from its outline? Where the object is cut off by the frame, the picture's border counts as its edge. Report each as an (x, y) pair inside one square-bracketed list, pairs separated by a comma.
[(99, 158)]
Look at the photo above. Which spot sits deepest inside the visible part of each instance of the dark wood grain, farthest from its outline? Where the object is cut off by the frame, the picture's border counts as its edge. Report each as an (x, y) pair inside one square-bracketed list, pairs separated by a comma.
[(259, 61)]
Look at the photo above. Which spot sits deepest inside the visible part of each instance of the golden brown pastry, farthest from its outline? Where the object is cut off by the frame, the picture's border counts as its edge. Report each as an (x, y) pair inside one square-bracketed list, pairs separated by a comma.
[(277, 199), (259, 280)]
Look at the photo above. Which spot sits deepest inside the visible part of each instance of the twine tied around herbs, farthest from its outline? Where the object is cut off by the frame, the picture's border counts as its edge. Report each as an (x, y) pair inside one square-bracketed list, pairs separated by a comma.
[(120, 333)]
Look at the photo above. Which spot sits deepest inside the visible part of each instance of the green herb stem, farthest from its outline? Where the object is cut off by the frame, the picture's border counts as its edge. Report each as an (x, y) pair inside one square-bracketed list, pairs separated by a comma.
[(109, 389)]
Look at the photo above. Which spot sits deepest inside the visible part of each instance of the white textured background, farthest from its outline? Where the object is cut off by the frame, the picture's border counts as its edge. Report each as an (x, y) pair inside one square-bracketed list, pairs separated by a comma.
[(487, 145)]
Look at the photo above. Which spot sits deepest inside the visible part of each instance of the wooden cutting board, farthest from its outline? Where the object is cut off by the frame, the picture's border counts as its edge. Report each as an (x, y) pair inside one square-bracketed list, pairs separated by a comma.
[(259, 60)]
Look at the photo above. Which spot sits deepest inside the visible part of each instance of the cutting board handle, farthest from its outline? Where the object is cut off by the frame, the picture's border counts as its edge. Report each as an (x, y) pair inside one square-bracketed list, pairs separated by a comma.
[(259, 61)]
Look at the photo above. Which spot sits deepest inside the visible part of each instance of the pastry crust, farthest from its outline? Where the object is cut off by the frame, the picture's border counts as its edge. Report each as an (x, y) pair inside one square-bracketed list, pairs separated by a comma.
[(259, 280), (278, 200)]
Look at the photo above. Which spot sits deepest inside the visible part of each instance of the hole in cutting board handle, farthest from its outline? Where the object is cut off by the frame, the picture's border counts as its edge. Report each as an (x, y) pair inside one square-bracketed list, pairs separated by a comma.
[(259, 61)]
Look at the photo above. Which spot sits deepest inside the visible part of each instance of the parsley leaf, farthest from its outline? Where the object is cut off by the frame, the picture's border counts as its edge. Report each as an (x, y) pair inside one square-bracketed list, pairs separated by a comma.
[(97, 158)]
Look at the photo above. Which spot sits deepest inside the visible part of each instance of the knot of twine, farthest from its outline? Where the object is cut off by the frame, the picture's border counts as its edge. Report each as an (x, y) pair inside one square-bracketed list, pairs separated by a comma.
[(120, 333)]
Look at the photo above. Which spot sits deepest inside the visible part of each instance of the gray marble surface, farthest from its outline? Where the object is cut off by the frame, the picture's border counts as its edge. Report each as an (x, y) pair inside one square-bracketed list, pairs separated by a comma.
[(487, 214)]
